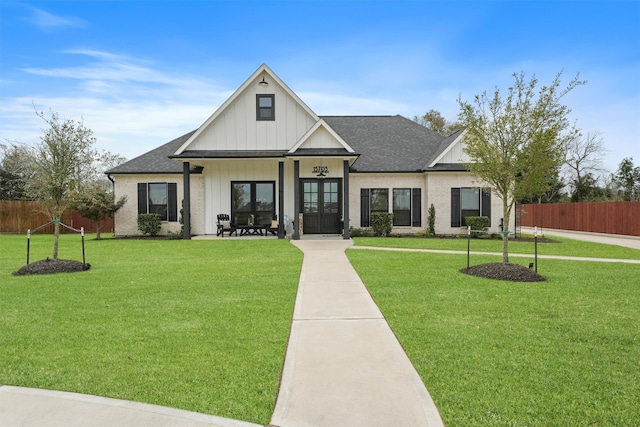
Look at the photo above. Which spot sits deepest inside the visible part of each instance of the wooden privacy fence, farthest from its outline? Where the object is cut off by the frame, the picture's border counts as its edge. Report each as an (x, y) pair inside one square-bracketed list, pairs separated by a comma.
[(596, 217), (18, 216)]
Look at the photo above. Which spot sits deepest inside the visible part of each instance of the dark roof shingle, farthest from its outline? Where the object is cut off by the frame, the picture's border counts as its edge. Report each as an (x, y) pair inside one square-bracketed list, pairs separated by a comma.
[(387, 143), (154, 161)]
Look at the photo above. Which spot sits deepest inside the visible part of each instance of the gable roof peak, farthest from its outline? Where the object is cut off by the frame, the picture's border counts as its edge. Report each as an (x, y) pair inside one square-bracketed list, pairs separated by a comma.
[(258, 75)]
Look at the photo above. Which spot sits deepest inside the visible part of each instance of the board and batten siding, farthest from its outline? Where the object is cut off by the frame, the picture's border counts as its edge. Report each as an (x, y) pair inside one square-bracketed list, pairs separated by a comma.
[(236, 128), (218, 176), (217, 184), (455, 155)]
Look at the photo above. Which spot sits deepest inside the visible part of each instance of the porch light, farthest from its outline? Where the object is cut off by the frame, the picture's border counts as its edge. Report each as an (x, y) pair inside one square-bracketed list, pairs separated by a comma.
[(263, 83)]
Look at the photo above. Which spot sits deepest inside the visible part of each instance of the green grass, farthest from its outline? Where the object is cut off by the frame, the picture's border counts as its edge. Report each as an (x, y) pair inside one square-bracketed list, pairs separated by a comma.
[(563, 352), (559, 246), (196, 325), (203, 326)]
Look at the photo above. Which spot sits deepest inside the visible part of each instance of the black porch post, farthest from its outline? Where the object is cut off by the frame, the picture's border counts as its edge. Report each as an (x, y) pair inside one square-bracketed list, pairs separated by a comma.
[(186, 201), (296, 199), (280, 200), (345, 197)]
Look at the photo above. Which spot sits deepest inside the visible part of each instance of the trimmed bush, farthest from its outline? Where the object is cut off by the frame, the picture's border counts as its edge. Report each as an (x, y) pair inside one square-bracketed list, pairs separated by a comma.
[(381, 223), (149, 224), (431, 221), (478, 224), (360, 232)]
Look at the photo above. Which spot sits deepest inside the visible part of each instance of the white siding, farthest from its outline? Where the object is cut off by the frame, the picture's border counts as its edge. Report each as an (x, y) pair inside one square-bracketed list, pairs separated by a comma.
[(321, 138), (236, 128), (455, 154)]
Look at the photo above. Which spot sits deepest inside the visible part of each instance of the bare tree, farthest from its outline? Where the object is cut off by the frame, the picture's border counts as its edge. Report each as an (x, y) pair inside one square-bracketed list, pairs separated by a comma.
[(435, 121), (583, 163)]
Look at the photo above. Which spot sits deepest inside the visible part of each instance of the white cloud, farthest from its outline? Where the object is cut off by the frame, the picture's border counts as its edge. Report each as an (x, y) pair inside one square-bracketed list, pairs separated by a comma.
[(47, 21)]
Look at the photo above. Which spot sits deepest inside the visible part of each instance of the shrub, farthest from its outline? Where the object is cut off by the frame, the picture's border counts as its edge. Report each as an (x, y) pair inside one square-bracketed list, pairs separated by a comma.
[(149, 224), (431, 221), (360, 232), (478, 224), (381, 223)]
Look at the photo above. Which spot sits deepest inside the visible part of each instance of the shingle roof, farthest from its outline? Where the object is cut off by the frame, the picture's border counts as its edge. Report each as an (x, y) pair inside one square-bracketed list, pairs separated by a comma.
[(229, 154), (383, 143), (154, 161), (387, 143)]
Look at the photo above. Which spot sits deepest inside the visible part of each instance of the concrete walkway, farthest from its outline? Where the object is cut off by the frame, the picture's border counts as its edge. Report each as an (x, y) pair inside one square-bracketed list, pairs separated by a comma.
[(344, 366), (632, 242), (29, 407)]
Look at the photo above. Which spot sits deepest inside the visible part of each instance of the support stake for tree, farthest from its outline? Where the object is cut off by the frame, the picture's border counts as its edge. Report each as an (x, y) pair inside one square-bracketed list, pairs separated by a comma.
[(84, 262), (535, 245), (468, 245), (28, 244)]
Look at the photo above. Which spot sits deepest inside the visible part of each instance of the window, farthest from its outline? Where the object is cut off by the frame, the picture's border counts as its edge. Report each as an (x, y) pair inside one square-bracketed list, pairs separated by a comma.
[(469, 202), (402, 206), (265, 107), (379, 200), (406, 205), (159, 198), (253, 198), (310, 197)]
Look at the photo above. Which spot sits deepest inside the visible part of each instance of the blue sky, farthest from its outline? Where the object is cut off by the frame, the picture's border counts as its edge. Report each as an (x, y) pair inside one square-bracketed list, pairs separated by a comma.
[(141, 73)]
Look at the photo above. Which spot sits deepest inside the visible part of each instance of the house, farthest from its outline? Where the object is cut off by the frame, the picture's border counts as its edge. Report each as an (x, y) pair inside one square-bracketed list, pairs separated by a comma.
[(264, 155)]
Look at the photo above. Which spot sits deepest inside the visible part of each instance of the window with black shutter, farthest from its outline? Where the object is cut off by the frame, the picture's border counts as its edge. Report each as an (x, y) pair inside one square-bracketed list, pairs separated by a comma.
[(160, 198), (469, 201)]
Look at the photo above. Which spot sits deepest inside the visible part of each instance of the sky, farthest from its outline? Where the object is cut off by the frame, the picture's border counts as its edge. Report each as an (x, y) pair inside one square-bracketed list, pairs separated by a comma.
[(141, 73)]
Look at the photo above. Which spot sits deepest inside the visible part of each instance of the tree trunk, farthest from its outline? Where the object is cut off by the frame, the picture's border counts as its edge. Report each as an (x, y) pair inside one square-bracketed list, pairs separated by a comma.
[(56, 238), (98, 230)]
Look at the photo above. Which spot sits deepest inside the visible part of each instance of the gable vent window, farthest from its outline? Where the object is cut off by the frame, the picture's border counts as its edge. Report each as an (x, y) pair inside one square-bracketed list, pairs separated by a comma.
[(265, 107)]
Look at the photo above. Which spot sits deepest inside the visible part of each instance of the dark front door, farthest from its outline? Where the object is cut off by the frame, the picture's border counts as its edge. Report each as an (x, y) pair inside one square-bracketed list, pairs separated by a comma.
[(321, 206)]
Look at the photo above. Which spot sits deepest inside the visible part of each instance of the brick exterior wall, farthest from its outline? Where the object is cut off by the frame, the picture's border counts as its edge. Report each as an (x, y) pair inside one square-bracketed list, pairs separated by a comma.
[(126, 219)]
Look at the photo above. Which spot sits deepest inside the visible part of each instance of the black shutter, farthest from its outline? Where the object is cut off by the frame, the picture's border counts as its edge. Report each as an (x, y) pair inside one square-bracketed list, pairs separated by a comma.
[(416, 207), (142, 198), (486, 203), (365, 220), (172, 201), (455, 207)]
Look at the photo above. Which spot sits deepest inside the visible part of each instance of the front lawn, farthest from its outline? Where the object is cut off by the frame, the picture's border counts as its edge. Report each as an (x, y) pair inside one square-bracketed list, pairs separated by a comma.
[(558, 246), (563, 352), (196, 325)]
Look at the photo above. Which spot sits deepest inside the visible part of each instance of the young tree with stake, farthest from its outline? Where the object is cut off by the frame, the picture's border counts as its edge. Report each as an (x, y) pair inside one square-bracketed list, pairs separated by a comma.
[(516, 143)]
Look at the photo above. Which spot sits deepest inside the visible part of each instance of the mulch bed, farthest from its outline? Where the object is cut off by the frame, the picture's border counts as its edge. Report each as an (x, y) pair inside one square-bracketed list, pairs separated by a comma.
[(502, 271), (50, 266)]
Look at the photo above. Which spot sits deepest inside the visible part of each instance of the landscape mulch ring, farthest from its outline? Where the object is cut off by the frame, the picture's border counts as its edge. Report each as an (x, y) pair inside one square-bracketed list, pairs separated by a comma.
[(502, 271), (50, 266)]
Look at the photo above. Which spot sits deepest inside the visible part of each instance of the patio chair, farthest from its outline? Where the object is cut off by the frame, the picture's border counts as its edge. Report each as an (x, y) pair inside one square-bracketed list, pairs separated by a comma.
[(224, 224), (273, 227)]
